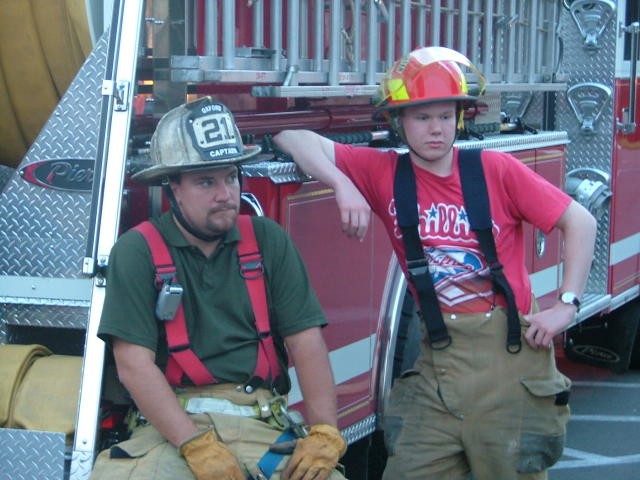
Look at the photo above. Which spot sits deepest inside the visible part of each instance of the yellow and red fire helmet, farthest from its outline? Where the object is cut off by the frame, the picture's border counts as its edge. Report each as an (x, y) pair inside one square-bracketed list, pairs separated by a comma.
[(425, 75)]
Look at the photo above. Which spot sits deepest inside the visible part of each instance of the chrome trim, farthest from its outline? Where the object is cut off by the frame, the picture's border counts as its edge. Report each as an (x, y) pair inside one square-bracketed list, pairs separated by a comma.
[(592, 304), (252, 202), (390, 312), (359, 430), (625, 297), (124, 41), (277, 172), (516, 142), (45, 291)]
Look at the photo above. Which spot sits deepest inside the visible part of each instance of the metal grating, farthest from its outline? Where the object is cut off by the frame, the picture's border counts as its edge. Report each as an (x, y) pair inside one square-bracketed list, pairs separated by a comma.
[(43, 231), (585, 151), (30, 455)]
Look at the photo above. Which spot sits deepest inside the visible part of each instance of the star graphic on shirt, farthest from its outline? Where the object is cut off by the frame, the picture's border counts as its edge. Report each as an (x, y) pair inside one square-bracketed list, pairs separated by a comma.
[(433, 212), (463, 216)]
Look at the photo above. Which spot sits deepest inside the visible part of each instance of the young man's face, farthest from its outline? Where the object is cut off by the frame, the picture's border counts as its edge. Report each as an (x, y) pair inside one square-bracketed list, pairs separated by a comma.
[(430, 130), (209, 199)]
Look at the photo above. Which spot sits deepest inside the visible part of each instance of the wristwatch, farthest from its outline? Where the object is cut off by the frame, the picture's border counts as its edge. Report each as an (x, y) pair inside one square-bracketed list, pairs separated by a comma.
[(570, 298)]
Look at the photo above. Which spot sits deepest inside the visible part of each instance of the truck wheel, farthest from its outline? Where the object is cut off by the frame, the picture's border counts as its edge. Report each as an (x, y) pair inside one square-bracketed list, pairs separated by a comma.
[(608, 341), (356, 459), (634, 362)]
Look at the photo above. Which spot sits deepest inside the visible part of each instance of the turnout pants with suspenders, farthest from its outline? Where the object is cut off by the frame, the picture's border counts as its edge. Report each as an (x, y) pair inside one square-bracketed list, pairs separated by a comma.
[(248, 418), (478, 399)]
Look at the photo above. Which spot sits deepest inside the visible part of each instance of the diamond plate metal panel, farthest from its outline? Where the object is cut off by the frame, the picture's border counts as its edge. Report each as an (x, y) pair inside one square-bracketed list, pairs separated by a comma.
[(43, 231), (81, 465), (30, 455), (5, 175), (43, 315), (582, 66)]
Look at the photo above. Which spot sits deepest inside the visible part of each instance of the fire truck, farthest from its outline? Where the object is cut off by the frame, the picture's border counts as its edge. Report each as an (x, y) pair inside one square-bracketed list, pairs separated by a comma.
[(561, 96)]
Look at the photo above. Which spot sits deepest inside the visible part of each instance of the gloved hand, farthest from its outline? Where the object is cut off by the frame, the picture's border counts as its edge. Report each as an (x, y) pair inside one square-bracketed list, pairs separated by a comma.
[(209, 458), (316, 455)]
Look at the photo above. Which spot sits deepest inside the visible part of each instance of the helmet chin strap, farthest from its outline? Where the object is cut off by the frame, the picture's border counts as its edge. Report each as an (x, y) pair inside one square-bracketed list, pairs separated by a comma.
[(412, 150), (177, 213)]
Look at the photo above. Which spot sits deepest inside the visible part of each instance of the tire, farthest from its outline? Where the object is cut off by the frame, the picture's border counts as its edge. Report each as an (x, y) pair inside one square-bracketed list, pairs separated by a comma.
[(609, 341)]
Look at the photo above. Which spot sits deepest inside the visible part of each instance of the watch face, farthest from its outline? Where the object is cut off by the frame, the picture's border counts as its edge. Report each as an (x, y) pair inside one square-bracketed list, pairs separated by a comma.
[(570, 298), (566, 297)]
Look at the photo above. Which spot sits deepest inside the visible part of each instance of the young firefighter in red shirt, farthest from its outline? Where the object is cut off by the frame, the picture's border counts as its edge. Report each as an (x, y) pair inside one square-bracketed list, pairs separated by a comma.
[(205, 361), (484, 396)]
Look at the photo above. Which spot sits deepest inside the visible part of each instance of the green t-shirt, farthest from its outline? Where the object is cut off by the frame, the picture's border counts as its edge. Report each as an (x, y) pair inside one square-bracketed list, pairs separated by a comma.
[(217, 308)]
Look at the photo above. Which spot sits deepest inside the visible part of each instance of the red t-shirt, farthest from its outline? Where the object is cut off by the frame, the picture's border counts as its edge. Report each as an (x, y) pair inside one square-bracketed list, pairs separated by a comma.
[(461, 276)]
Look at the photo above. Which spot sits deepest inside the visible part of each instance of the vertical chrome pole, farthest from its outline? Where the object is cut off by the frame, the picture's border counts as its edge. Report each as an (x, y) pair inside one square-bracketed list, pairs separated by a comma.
[(449, 29), (474, 51), (318, 34), (535, 37), (435, 23), (258, 23), (373, 45), (405, 27), (276, 32), (421, 30), (211, 28), (510, 52), (304, 27), (356, 36), (228, 34), (293, 32), (391, 34), (488, 41), (463, 28), (334, 43)]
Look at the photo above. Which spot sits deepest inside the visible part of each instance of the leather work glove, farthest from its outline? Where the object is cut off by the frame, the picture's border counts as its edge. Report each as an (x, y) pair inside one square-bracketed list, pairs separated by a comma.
[(316, 455), (209, 458)]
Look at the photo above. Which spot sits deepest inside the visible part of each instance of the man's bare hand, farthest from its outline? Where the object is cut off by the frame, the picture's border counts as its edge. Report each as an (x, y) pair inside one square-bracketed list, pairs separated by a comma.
[(545, 325), (355, 213)]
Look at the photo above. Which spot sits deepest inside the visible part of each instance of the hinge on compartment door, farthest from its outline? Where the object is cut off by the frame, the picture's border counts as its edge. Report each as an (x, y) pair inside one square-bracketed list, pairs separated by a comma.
[(119, 90)]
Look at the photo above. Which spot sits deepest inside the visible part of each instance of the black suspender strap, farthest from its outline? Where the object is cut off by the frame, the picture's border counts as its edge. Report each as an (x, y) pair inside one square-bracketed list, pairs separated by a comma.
[(476, 201), (406, 200)]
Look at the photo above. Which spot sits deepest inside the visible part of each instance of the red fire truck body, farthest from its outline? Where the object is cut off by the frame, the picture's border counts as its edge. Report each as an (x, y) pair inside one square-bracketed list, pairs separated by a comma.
[(561, 97)]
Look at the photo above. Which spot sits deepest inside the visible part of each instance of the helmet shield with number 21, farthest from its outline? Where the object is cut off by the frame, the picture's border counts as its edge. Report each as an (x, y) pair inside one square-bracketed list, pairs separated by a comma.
[(197, 135)]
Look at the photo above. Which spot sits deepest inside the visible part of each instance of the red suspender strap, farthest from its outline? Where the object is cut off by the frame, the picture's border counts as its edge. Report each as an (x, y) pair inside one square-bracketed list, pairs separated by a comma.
[(182, 360), (252, 270)]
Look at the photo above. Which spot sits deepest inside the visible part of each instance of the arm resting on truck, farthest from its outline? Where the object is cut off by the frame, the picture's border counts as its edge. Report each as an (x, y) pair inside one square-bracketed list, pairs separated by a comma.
[(315, 155)]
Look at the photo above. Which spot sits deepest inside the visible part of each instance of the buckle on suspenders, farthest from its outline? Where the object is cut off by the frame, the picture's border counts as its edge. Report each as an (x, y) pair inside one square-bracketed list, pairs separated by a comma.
[(251, 266), (417, 267)]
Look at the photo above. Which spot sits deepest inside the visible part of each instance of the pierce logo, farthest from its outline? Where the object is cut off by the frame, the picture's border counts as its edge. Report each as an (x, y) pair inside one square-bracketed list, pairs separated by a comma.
[(70, 175), (596, 352)]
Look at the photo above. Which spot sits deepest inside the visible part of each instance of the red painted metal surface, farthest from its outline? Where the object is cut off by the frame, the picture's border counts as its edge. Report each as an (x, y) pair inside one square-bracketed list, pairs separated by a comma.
[(624, 262)]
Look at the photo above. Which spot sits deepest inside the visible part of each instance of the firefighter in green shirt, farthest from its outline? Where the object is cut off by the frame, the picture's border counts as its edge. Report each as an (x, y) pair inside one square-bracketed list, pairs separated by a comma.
[(220, 415)]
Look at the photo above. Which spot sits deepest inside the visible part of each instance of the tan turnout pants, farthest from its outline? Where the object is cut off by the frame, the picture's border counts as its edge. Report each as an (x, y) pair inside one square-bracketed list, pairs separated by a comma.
[(476, 409), (147, 455)]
